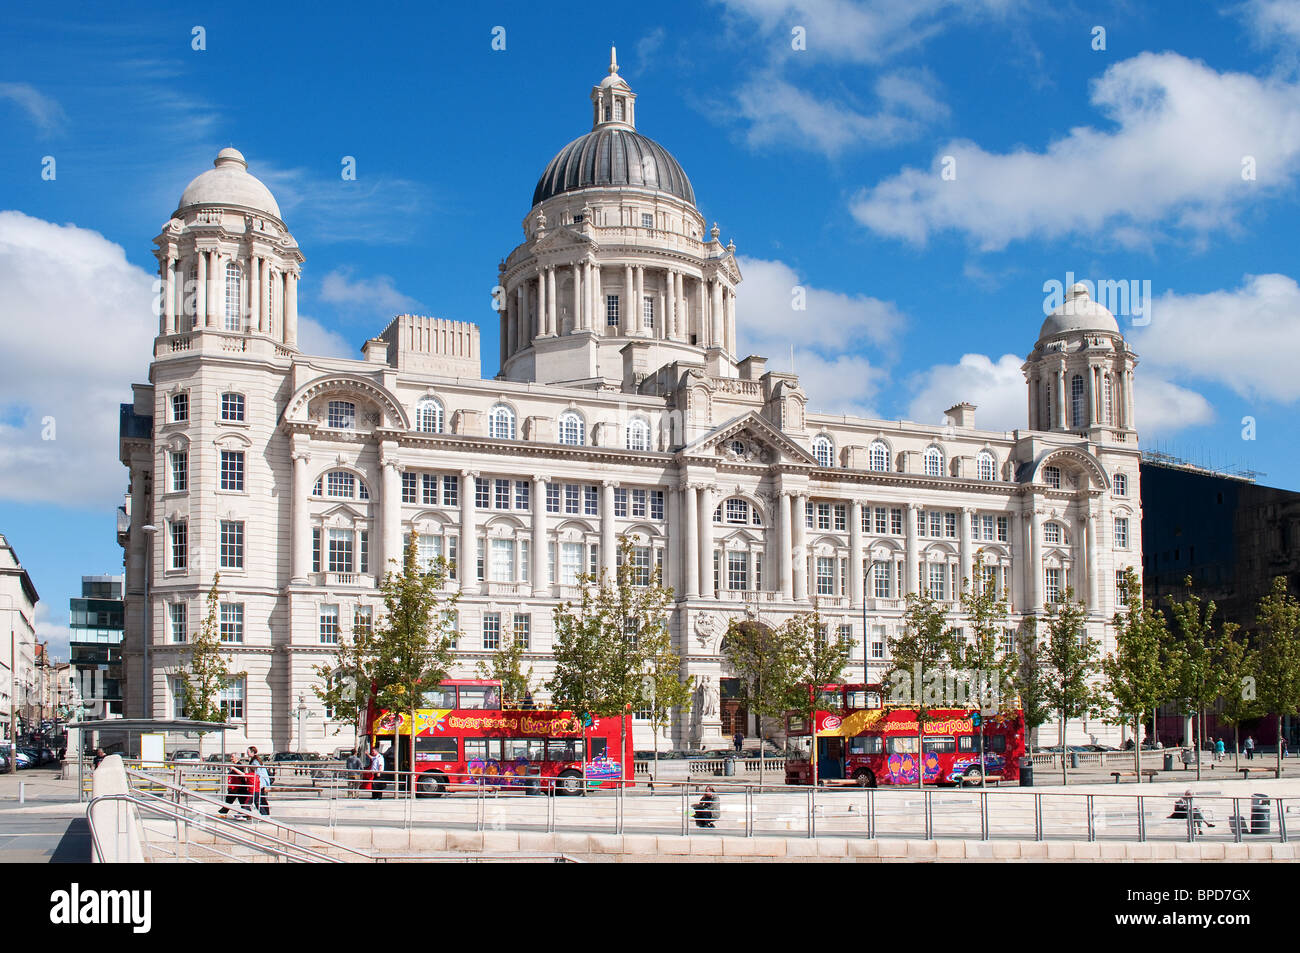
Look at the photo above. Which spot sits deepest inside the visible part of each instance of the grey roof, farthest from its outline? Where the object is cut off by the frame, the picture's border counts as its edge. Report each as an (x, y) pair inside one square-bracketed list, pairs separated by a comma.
[(610, 156)]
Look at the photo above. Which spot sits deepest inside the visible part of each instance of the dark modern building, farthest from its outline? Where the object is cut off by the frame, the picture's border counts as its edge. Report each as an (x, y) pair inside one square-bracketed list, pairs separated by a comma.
[(1232, 536), (95, 646)]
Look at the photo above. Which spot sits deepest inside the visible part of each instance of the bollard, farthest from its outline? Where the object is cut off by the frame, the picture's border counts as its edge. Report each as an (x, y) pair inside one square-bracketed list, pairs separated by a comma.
[(22, 792)]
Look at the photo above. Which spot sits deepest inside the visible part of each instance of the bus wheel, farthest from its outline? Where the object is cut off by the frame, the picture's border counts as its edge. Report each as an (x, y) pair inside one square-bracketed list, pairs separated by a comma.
[(568, 783), (430, 785), (972, 776), (865, 778)]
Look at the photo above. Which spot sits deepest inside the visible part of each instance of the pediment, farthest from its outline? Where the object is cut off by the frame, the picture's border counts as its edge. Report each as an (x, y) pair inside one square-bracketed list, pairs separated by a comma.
[(749, 438), (557, 237)]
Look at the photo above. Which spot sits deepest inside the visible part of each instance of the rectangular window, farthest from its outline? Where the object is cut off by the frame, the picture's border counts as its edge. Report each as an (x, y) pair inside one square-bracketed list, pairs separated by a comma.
[(1052, 587), (648, 311), (180, 544), (823, 516), (178, 695), (340, 551), (491, 630), (482, 493), (232, 407), (620, 502), (936, 524), (841, 521), (825, 576), (1121, 589), (1002, 529), (478, 559), (523, 630), (428, 549), (503, 560), (363, 621), (315, 549), (896, 522), (180, 471), (232, 544), (410, 487), (570, 563), (590, 501), (639, 504), (342, 415), (737, 571), (450, 490), (1121, 484), (522, 490), (232, 622), (1052, 477), (180, 407), (329, 625), (452, 619), (232, 470), (656, 504), (611, 311), (640, 565), (880, 585), (988, 523), (231, 699), (808, 511), (1121, 532), (572, 498), (647, 218), (363, 551), (552, 498), (882, 520), (1008, 642), (429, 489), (938, 581), (179, 619), (501, 494), (950, 525)]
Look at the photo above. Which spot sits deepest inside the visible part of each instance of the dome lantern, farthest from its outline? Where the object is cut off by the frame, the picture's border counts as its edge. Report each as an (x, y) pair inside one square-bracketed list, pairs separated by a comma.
[(613, 102)]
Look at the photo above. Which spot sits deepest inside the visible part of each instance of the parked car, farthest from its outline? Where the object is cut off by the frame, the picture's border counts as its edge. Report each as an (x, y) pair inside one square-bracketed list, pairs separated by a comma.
[(186, 756)]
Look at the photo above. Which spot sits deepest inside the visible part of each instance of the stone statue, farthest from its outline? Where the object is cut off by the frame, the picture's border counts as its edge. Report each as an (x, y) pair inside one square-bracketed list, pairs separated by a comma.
[(708, 697)]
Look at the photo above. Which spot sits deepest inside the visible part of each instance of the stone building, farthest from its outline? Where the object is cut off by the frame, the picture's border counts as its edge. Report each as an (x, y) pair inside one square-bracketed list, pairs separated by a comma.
[(621, 407)]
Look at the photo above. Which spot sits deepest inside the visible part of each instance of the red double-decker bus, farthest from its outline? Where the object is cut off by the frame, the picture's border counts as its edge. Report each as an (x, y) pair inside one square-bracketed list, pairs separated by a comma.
[(464, 736), (861, 739)]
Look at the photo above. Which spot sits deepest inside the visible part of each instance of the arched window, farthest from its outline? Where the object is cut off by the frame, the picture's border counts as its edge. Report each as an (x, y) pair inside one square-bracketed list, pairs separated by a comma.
[(428, 416), (824, 450), (986, 466), (879, 456), (1078, 410), (572, 430), (1053, 534), (501, 423), (933, 461), (1107, 399), (638, 434), (737, 512), (341, 485), (234, 298)]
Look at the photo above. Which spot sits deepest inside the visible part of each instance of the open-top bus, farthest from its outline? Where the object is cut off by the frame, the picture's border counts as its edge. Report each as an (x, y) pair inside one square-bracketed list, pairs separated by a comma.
[(860, 738), (464, 736)]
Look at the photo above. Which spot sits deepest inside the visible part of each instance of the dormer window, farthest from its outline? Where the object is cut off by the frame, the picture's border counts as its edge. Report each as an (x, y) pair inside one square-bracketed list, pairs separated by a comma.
[(1052, 477), (578, 218), (342, 415), (647, 220), (618, 110)]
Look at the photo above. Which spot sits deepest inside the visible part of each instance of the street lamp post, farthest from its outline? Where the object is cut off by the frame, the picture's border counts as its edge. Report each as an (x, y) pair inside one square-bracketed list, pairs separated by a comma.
[(146, 708)]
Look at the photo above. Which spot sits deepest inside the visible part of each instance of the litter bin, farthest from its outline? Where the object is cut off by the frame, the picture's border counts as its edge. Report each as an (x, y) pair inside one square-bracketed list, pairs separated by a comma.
[(1260, 814), (1074, 759), (1169, 762), (1026, 773), (729, 767)]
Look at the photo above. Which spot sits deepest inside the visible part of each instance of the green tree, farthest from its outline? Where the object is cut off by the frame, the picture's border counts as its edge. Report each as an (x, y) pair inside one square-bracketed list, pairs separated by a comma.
[(763, 664), (507, 668), (1240, 701), (207, 672), (1135, 677), (1072, 662), (345, 681), (987, 671), (413, 638), (1198, 663), (601, 646), (816, 659), (1279, 656), (1029, 680), (921, 658), (663, 689)]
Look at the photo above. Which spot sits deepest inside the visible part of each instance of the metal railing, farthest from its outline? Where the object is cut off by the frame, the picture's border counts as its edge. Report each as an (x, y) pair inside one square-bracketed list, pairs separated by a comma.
[(520, 803)]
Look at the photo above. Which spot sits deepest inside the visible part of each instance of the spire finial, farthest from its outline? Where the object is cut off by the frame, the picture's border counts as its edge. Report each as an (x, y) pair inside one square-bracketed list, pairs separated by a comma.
[(613, 60)]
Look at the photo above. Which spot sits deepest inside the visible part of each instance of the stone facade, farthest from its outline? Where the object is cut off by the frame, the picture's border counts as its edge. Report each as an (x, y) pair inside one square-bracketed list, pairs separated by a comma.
[(609, 417)]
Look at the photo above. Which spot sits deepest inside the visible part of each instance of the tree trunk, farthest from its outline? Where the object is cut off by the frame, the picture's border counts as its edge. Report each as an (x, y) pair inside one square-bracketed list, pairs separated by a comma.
[(1137, 746), (1279, 746), (1065, 778), (1236, 746), (1197, 735), (410, 765)]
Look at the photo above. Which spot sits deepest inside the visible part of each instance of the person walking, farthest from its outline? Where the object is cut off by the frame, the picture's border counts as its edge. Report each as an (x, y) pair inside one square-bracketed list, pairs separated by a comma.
[(1285, 749), (237, 785), (738, 740), (1219, 749), (375, 775), (263, 781), (354, 765), (1250, 748)]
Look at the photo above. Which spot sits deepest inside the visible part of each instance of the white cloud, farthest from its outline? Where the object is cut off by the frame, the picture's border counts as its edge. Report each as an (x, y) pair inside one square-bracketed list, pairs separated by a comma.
[(55, 635), (1273, 21), (1172, 161), (1247, 339), (316, 339), (836, 384), (67, 284), (997, 389), (368, 295), (1160, 407), (779, 112), (43, 110), (375, 208)]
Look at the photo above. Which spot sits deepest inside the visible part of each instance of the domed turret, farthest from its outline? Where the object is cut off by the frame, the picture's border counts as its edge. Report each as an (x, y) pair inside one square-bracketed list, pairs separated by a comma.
[(228, 183), (1078, 313)]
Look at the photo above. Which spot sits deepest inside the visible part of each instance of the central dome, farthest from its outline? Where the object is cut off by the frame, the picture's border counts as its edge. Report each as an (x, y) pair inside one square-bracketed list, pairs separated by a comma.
[(613, 156)]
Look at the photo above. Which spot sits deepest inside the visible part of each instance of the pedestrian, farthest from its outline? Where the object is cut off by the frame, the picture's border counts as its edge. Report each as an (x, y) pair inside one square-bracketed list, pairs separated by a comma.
[(375, 775), (1183, 805), (1219, 749), (263, 779), (738, 740), (1250, 748), (1285, 749), (706, 808), (99, 756), (237, 788), (354, 765)]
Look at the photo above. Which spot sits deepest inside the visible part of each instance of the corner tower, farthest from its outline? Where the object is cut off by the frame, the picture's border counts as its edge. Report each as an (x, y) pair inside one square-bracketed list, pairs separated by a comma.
[(616, 276)]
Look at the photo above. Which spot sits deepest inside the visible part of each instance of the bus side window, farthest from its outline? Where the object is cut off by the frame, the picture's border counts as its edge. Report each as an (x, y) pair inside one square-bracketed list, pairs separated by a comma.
[(995, 743), (902, 744), (563, 749), (865, 744), (966, 743), (479, 698), (597, 748)]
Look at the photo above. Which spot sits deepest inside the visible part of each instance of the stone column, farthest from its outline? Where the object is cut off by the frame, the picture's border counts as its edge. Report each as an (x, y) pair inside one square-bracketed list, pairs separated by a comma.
[(588, 298), (786, 547), (264, 297), (661, 299), (690, 545), (670, 304), (1090, 395), (672, 551), (216, 298), (291, 309), (912, 567), (857, 589), (597, 321), (540, 543), (1088, 585), (552, 305), (608, 545), (503, 328), (731, 322), (1062, 412), (799, 552), (1035, 568), (301, 531), (539, 317), (390, 502), (168, 325), (638, 322), (968, 568), (1130, 415), (201, 290), (629, 306), (1013, 581), (701, 313), (715, 315), (468, 535), (683, 326), (577, 296), (706, 542)]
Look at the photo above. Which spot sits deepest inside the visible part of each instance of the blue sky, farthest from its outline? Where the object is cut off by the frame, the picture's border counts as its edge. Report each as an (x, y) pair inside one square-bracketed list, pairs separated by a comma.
[(1171, 156)]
